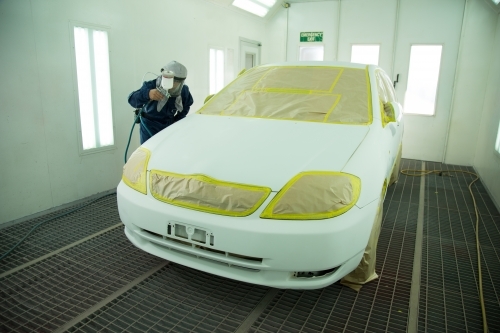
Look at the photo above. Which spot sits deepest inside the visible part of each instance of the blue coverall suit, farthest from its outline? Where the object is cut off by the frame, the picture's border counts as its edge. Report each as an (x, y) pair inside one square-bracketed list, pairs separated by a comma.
[(154, 120)]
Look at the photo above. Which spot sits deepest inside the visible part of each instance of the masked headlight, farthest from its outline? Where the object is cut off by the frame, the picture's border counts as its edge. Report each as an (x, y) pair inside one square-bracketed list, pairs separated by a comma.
[(206, 194), (314, 195), (134, 171)]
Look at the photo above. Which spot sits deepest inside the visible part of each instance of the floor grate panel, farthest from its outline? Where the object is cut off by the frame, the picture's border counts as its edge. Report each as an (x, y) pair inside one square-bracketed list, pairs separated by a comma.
[(57, 233), (53, 287), (112, 252), (179, 299), (449, 295)]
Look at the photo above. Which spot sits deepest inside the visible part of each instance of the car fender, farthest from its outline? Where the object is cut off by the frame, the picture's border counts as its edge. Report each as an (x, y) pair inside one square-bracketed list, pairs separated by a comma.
[(370, 163)]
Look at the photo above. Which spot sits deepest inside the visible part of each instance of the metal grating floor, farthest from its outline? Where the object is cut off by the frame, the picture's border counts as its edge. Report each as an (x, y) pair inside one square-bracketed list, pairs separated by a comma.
[(93, 280), (449, 299), (178, 299), (98, 215)]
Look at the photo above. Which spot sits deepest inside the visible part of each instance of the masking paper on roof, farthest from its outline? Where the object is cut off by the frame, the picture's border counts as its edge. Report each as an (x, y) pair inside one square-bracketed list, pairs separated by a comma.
[(134, 171), (314, 195), (305, 93), (207, 194)]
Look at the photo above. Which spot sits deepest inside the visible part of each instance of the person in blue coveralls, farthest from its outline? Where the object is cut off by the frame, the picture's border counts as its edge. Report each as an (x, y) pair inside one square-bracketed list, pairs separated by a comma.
[(164, 100)]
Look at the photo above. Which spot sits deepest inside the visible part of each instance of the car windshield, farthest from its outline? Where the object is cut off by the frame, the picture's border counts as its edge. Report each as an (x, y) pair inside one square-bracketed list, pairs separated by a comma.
[(306, 93)]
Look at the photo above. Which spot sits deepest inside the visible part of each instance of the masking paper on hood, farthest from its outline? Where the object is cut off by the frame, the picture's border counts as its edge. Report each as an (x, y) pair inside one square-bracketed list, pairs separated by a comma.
[(305, 93), (207, 194), (315, 195)]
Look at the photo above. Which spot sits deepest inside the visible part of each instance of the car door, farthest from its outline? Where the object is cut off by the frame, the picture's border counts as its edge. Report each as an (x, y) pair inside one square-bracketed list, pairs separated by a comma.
[(391, 117)]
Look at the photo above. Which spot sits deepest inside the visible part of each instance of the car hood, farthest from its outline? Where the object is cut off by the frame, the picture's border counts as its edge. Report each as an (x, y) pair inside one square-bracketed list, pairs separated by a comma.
[(252, 151)]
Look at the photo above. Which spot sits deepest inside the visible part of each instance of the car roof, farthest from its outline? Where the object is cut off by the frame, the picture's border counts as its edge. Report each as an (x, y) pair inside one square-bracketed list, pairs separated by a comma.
[(320, 63)]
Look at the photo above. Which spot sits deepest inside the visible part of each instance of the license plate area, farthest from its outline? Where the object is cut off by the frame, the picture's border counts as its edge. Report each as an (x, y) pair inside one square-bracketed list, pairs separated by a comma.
[(190, 233)]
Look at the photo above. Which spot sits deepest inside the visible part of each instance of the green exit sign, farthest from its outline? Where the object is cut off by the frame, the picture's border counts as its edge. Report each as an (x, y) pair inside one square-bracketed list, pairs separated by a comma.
[(311, 36)]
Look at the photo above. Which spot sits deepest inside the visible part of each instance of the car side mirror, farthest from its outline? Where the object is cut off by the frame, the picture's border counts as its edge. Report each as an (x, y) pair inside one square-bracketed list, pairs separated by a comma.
[(392, 111), (208, 98)]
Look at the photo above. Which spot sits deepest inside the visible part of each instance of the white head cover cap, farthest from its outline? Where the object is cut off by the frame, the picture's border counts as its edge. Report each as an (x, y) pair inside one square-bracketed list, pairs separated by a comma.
[(179, 70)]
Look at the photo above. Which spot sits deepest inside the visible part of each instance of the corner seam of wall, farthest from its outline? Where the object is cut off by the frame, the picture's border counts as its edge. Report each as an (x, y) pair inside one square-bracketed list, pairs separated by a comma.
[(41, 107)]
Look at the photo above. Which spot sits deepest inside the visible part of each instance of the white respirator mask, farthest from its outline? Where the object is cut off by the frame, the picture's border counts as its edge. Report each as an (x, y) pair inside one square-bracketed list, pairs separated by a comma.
[(170, 73), (167, 80)]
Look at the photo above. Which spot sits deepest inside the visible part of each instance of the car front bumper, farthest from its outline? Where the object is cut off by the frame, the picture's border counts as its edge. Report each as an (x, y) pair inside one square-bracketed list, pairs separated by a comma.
[(275, 253)]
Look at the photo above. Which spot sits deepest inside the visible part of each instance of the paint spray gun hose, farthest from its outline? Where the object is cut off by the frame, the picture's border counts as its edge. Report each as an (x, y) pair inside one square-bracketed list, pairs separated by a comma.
[(137, 119)]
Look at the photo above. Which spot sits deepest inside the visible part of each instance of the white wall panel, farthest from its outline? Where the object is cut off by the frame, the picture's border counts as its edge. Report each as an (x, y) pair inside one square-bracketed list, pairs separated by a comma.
[(73, 176), (487, 161), (472, 82), (274, 46), (24, 185)]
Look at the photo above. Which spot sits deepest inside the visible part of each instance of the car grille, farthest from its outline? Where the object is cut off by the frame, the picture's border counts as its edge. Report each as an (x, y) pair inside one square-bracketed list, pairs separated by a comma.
[(202, 252)]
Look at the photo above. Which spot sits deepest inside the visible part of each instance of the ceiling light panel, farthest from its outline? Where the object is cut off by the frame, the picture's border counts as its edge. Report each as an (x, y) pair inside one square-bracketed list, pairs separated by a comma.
[(252, 7), (268, 3)]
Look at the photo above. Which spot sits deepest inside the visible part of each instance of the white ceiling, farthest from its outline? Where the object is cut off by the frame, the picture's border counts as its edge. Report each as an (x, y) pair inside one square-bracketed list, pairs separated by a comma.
[(227, 3), (277, 5), (278, 2)]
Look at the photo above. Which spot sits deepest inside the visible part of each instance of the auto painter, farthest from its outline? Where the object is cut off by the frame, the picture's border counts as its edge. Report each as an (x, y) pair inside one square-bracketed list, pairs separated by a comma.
[(162, 101)]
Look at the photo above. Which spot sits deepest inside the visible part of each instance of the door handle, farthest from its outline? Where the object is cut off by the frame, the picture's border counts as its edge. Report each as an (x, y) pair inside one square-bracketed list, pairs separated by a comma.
[(397, 80)]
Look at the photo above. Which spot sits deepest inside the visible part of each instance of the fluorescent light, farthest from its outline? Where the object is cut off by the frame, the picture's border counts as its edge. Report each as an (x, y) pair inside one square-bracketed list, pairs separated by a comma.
[(251, 7), (84, 77), (103, 88), (496, 2), (94, 89), (268, 3)]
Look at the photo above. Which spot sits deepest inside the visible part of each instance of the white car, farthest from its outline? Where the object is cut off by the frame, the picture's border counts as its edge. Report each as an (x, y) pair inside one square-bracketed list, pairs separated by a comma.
[(277, 180)]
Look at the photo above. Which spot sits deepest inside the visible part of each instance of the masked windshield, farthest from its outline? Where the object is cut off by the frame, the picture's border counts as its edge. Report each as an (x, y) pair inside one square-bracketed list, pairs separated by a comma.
[(308, 93)]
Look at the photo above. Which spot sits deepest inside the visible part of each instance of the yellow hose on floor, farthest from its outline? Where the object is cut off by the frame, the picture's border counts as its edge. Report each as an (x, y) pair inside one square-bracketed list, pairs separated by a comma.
[(414, 173)]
